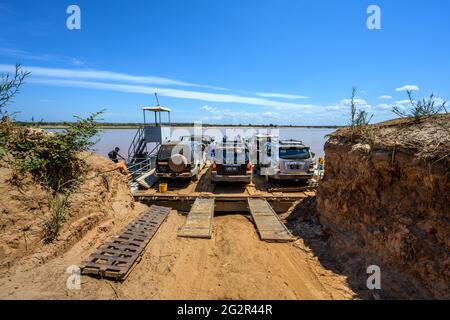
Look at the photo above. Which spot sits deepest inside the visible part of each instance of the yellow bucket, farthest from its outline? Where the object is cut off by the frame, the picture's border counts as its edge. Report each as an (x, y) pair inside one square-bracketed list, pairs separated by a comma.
[(163, 187)]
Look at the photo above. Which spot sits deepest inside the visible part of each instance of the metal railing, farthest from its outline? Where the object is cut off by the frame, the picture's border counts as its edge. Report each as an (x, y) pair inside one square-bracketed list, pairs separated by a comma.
[(135, 145), (142, 165)]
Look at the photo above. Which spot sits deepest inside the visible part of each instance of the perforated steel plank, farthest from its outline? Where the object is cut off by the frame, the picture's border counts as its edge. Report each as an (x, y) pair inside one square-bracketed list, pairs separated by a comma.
[(116, 258)]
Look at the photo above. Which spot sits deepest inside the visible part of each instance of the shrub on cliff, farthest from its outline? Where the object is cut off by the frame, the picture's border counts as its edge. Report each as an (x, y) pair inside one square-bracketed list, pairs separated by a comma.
[(52, 158), (421, 108), (359, 119)]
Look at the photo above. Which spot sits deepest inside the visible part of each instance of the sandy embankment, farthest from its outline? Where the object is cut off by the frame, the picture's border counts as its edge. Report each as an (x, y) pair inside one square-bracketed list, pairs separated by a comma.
[(387, 203), (234, 264)]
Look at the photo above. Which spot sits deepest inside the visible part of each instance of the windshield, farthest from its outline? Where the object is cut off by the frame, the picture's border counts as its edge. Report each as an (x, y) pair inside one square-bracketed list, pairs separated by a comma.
[(294, 153)]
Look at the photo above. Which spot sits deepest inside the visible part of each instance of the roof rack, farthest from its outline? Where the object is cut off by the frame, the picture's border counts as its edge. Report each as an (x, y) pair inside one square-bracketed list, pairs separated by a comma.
[(292, 141)]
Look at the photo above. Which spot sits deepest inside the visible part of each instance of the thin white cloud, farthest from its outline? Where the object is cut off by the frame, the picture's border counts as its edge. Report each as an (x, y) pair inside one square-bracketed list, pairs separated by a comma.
[(210, 109), (408, 88), (344, 105), (212, 113), (270, 114), (77, 62), (110, 76), (385, 97), (123, 79), (280, 95), (25, 55), (384, 106), (406, 101), (358, 102), (439, 101), (98, 75), (174, 93)]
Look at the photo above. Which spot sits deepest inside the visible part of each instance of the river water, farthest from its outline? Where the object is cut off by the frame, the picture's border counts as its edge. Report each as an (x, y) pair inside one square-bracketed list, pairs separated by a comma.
[(313, 137), (108, 139)]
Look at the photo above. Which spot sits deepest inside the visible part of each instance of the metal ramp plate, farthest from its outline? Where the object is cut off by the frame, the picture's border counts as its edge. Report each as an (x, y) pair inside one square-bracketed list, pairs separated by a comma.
[(269, 226), (148, 179), (116, 258), (199, 220)]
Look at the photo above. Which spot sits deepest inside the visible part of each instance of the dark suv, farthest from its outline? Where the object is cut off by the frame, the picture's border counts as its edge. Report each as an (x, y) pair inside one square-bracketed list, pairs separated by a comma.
[(180, 159)]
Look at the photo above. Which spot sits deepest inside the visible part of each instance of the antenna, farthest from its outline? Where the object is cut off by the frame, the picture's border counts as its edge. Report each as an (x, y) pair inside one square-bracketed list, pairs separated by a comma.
[(157, 100)]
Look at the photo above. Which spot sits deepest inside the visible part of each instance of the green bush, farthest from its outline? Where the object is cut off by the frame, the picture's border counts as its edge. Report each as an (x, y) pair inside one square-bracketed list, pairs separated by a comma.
[(421, 108), (359, 119), (52, 158)]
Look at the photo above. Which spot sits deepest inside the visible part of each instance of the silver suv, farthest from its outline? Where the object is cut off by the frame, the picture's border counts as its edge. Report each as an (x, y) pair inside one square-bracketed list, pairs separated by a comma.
[(294, 161), (180, 160)]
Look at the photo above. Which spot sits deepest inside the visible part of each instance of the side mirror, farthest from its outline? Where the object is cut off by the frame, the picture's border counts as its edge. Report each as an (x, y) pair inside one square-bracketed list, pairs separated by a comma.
[(313, 154)]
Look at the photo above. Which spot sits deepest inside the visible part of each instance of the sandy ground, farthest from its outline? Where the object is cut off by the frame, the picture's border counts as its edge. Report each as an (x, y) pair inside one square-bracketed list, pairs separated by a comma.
[(234, 264)]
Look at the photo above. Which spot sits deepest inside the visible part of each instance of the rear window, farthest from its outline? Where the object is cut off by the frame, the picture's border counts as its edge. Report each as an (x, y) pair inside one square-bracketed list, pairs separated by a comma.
[(165, 152), (231, 149), (294, 153), (232, 152)]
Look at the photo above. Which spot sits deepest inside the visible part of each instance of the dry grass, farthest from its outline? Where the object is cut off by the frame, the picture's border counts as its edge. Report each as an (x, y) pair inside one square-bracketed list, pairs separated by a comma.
[(428, 139)]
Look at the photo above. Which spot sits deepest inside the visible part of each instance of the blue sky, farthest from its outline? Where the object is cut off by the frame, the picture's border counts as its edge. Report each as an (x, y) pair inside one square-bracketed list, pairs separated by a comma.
[(254, 61)]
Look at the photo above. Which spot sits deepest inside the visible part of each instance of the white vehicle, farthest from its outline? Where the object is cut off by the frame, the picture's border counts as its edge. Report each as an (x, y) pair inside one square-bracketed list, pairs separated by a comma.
[(295, 161), (284, 159), (231, 162), (180, 160)]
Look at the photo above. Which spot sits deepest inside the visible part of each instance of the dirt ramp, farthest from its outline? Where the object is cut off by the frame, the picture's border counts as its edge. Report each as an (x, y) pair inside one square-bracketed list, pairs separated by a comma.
[(234, 264)]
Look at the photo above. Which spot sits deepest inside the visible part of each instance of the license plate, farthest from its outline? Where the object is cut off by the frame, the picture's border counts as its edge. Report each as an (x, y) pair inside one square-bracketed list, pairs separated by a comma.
[(294, 167), (231, 169)]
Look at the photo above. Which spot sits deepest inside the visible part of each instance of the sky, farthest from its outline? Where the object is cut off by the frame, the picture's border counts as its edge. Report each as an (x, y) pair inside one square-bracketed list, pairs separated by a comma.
[(287, 62)]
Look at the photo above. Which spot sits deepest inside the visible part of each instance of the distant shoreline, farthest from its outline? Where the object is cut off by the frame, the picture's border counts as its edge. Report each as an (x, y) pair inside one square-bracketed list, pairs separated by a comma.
[(52, 125)]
